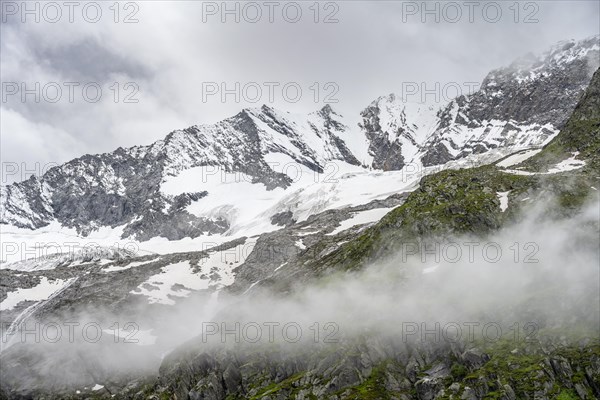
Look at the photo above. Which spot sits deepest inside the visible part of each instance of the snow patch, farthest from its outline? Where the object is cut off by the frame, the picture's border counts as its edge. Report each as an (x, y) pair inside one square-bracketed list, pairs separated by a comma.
[(360, 218), (503, 197), (214, 271), (567, 165), (42, 291), (159, 288), (114, 268), (517, 158)]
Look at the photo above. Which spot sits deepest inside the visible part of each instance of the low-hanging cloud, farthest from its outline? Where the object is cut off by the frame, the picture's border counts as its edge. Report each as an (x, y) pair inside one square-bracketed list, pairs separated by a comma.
[(539, 275)]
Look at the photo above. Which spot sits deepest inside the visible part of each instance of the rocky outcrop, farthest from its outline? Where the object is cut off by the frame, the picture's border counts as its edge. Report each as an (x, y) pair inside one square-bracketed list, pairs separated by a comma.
[(383, 370), (395, 130)]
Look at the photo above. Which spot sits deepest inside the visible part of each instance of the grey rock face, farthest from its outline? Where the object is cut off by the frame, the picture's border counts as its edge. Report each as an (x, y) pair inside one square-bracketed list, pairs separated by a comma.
[(384, 146), (436, 154), (285, 218)]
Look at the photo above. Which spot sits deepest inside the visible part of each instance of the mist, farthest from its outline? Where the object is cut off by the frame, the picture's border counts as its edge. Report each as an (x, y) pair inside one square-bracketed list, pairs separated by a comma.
[(531, 278)]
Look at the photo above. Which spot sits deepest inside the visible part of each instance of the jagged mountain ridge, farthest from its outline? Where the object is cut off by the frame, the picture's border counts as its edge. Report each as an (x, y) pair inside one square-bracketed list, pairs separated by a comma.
[(517, 107), (123, 187)]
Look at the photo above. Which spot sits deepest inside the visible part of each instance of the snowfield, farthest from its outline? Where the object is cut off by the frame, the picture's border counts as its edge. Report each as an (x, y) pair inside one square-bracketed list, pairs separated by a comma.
[(248, 207), (43, 291), (160, 288), (180, 279)]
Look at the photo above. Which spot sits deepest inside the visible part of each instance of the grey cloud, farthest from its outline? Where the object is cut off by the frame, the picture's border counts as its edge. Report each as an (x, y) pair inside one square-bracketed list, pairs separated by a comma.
[(88, 60)]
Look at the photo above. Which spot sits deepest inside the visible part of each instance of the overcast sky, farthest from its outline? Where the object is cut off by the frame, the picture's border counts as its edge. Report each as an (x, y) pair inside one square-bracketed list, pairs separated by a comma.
[(177, 48)]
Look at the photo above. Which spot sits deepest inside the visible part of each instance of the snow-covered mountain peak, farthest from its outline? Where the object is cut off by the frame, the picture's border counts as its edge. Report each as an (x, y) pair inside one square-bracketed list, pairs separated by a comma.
[(327, 110), (568, 50), (535, 66), (396, 129), (520, 106), (123, 188)]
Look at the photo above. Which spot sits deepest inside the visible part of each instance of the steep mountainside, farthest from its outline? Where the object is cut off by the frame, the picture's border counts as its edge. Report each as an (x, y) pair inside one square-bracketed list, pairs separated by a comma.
[(522, 105), (396, 130), (580, 135)]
